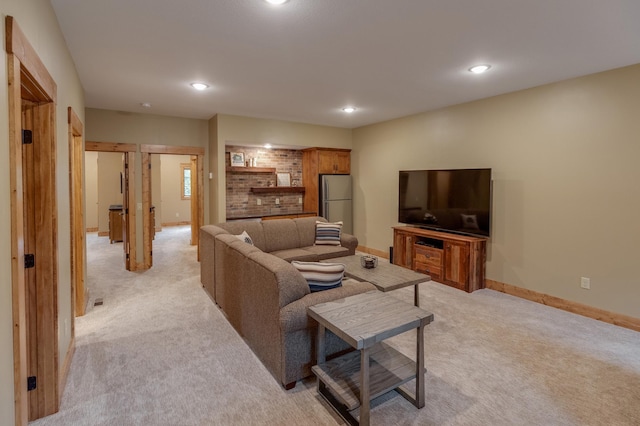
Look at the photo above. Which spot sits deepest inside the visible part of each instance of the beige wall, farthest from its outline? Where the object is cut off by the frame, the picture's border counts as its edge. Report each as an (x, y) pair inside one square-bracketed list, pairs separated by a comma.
[(174, 208), (38, 22), (91, 189), (110, 165), (247, 131), (149, 129), (565, 191)]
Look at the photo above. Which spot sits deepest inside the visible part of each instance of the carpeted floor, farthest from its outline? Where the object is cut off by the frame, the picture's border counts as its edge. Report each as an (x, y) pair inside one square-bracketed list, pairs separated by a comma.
[(159, 352)]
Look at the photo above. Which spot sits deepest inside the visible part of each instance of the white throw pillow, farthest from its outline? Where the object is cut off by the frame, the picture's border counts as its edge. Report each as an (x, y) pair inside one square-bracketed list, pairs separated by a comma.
[(244, 237)]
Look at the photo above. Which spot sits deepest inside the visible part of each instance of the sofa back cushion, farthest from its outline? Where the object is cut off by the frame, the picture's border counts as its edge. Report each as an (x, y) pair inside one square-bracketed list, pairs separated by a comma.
[(253, 228), (280, 234), (307, 229)]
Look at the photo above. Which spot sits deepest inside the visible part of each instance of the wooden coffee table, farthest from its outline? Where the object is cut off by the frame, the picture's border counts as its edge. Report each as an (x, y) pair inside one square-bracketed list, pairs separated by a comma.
[(352, 380), (386, 276)]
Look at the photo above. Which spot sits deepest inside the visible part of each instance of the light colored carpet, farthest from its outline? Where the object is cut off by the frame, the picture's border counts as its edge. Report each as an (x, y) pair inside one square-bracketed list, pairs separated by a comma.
[(159, 352)]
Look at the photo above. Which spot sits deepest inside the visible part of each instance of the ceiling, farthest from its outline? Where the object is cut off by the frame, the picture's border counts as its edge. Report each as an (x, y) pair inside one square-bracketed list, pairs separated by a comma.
[(307, 59)]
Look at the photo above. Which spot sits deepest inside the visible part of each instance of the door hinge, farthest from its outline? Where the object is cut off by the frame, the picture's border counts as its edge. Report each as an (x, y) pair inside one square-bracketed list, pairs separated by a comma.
[(27, 137), (29, 261), (31, 383)]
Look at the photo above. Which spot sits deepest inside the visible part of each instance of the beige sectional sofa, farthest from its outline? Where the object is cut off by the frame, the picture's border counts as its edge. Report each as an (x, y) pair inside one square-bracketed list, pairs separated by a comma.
[(264, 297)]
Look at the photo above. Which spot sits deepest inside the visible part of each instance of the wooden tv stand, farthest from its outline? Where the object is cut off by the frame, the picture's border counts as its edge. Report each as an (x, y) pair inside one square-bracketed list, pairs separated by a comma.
[(455, 260)]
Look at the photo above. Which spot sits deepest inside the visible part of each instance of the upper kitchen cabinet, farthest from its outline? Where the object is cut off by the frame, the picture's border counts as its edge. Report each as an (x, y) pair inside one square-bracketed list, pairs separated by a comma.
[(334, 161), (321, 161)]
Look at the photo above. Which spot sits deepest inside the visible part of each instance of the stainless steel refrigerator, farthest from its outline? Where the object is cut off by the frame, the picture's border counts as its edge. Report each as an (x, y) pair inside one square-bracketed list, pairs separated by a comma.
[(335, 200)]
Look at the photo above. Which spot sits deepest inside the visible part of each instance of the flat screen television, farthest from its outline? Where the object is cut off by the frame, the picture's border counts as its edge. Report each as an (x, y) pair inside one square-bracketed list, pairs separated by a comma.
[(457, 201)]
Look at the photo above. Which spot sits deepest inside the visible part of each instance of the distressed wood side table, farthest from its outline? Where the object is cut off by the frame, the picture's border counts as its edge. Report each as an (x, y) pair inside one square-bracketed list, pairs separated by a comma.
[(351, 381)]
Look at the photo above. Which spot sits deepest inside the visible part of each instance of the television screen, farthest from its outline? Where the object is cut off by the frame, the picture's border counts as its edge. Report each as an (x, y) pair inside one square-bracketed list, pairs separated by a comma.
[(456, 201)]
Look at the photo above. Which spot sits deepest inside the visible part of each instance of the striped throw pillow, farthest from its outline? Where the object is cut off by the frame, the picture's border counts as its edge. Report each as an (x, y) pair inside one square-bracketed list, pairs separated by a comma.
[(328, 233), (320, 276)]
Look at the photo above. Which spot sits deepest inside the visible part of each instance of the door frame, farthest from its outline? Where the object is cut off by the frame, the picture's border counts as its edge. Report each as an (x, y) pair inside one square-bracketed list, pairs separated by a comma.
[(129, 151), (197, 198), (76, 202), (29, 80)]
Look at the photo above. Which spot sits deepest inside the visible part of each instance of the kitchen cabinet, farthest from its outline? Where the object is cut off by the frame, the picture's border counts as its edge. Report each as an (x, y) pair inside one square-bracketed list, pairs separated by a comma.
[(321, 161)]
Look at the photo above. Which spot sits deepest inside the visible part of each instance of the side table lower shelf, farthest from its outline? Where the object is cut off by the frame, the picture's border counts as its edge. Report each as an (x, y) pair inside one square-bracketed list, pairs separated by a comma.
[(388, 369)]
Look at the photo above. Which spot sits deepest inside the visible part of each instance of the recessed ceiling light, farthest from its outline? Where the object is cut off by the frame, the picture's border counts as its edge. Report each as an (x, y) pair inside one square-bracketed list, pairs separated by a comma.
[(479, 69), (199, 86), (349, 109), (276, 2), (145, 105)]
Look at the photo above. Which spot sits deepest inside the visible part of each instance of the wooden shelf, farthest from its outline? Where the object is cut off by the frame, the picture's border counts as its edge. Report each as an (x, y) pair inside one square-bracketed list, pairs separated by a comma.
[(278, 190), (341, 375), (251, 169)]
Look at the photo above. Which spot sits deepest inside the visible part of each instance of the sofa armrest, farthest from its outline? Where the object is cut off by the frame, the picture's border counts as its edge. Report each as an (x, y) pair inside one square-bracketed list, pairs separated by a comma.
[(349, 241)]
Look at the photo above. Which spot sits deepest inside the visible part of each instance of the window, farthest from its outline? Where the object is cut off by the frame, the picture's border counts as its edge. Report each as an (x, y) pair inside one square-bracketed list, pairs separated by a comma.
[(185, 188)]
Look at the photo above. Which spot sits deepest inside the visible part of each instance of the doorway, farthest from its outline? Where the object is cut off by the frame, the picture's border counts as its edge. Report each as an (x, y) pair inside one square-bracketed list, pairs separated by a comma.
[(126, 186), (197, 194), (34, 243)]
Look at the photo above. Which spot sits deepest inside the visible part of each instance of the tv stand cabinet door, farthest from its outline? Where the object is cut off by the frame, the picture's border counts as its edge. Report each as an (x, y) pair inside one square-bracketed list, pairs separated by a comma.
[(403, 249), (456, 264)]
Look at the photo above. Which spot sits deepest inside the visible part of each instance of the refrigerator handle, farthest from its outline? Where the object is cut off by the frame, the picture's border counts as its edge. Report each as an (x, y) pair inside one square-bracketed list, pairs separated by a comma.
[(325, 210), (325, 189)]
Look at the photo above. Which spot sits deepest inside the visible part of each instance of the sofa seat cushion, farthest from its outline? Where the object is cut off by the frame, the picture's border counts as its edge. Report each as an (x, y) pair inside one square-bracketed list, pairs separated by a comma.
[(328, 252), (294, 316), (296, 254)]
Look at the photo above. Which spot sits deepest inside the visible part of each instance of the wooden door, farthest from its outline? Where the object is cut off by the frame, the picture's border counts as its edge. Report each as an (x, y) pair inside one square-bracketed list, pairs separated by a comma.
[(76, 204), (194, 201), (125, 212), (456, 259), (32, 179), (40, 226)]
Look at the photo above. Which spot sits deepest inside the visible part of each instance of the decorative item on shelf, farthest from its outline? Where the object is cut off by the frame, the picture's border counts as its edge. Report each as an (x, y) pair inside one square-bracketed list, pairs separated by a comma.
[(254, 162), (237, 159), (295, 182), (283, 179), (368, 262), (270, 184)]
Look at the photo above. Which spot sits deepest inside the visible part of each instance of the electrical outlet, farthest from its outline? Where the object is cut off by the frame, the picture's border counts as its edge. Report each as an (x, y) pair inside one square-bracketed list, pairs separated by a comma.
[(259, 201), (277, 201), (300, 200), (177, 214), (585, 283)]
